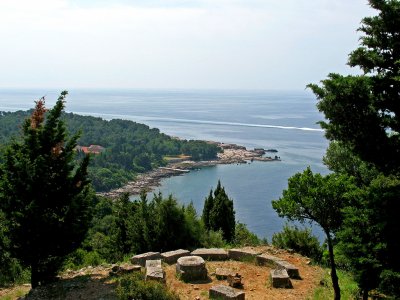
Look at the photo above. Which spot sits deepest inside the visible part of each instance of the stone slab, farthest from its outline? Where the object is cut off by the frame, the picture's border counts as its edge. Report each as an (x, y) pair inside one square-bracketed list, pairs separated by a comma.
[(140, 259), (171, 257), (267, 260), (225, 292), (280, 279), (155, 273), (242, 254), (222, 273), (211, 253), (292, 270), (124, 269), (153, 263)]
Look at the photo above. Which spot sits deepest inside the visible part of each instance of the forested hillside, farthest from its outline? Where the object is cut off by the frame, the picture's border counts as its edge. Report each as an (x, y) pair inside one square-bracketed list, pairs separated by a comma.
[(130, 147)]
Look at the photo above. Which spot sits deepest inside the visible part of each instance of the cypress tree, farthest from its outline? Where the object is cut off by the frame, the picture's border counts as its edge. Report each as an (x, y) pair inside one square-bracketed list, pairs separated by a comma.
[(45, 194)]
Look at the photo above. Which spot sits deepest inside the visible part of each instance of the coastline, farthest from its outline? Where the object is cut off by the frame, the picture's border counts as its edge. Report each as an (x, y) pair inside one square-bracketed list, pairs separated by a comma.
[(232, 154)]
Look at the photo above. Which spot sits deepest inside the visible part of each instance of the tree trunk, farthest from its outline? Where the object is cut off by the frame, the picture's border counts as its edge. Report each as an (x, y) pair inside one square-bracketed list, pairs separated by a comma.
[(34, 275), (335, 281), (365, 294)]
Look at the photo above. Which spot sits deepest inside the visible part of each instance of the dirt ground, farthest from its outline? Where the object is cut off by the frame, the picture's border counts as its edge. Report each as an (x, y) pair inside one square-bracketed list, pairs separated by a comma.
[(255, 279), (95, 283)]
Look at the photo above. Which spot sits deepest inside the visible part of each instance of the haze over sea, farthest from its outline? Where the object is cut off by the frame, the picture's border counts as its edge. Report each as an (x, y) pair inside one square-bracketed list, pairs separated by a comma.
[(283, 120)]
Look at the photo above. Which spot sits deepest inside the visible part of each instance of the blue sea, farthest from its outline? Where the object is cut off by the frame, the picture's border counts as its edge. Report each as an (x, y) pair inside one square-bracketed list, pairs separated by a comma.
[(283, 120)]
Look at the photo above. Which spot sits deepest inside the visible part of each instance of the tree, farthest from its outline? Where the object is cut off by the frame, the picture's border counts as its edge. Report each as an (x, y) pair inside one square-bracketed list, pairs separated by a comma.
[(363, 112), (45, 194), (363, 120), (218, 213), (318, 199)]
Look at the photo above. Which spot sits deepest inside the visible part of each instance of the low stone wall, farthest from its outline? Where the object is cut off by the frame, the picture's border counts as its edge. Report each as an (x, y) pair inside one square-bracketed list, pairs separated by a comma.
[(140, 259), (211, 253), (171, 257)]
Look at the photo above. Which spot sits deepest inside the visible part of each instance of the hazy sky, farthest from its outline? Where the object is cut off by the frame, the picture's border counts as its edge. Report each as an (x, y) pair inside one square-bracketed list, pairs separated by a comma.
[(229, 44)]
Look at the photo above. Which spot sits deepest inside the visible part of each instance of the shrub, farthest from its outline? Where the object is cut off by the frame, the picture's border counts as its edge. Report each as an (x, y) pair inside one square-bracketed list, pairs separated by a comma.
[(213, 239), (133, 286), (244, 237), (300, 240)]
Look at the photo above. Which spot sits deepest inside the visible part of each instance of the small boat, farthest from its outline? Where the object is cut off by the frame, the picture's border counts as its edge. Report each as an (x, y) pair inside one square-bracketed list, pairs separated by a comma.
[(271, 150)]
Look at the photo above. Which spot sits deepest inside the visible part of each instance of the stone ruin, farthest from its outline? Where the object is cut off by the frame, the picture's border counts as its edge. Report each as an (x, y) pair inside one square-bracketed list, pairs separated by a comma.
[(191, 268), (225, 292)]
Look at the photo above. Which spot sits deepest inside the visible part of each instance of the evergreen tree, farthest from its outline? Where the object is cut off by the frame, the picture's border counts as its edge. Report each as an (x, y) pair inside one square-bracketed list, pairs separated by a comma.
[(208, 205), (44, 193), (218, 213), (363, 119)]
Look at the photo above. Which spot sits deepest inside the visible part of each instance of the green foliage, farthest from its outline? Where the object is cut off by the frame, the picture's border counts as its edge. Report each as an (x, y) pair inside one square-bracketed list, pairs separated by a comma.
[(300, 240), (45, 194), (362, 111), (320, 199), (213, 239), (218, 213), (244, 237), (133, 286), (369, 237), (130, 147), (81, 258), (348, 287)]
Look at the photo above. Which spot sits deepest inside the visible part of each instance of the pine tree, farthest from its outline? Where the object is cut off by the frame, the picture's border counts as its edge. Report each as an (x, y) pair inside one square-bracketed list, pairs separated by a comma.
[(219, 214), (45, 194)]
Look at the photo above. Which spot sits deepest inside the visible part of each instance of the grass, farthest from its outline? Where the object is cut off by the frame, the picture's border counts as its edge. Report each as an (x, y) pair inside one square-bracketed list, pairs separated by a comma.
[(348, 287), (16, 293)]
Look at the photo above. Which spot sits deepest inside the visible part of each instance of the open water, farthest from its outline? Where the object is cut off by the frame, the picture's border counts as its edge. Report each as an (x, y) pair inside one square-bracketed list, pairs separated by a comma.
[(283, 120)]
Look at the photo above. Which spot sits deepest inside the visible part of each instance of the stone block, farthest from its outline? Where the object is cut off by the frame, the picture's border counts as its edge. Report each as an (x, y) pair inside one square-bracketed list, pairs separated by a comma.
[(191, 268), (153, 263), (280, 279), (155, 273), (171, 257), (225, 292), (124, 269), (140, 259), (242, 254), (267, 260), (222, 273), (235, 280), (211, 253), (292, 270)]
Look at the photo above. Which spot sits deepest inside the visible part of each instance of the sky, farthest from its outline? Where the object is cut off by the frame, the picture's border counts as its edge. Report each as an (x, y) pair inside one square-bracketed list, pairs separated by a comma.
[(176, 44)]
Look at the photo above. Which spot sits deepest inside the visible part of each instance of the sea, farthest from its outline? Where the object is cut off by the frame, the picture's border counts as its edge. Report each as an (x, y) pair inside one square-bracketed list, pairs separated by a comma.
[(283, 120)]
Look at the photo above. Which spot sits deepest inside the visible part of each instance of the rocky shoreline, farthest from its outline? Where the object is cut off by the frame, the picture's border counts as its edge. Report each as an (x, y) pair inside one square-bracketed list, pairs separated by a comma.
[(232, 154)]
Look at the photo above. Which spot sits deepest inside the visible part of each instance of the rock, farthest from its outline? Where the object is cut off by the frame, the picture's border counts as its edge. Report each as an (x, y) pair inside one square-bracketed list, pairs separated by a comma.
[(267, 260), (124, 269), (274, 261), (225, 292), (140, 259), (280, 279), (172, 256), (222, 273), (156, 263), (292, 271), (211, 253), (235, 280), (242, 254), (154, 270), (191, 268)]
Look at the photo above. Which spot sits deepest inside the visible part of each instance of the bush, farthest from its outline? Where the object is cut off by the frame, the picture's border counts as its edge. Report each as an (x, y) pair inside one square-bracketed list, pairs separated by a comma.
[(81, 258), (300, 240), (133, 286), (390, 283), (213, 239), (244, 237)]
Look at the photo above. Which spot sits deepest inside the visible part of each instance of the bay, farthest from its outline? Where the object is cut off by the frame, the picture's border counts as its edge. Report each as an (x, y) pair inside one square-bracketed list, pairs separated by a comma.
[(283, 120)]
